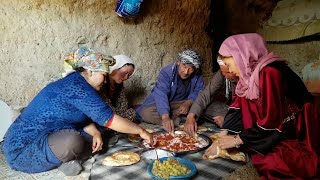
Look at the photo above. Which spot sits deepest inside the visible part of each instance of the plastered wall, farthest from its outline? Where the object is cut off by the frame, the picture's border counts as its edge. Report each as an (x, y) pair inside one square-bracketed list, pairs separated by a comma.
[(36, 35)]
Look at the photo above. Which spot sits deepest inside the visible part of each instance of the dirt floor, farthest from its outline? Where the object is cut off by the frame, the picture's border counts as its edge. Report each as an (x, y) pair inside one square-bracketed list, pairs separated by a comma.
[(247, 172)]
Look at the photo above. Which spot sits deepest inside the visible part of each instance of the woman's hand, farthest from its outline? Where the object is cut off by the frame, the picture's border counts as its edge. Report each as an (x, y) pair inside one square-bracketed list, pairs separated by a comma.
[(229, 141), (96, 142), (218, 120), (211, 152), (147, 136), (96, 137)]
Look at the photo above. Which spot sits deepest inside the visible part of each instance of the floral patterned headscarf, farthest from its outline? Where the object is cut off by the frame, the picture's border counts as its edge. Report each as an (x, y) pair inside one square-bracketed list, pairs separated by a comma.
[(88, 59)]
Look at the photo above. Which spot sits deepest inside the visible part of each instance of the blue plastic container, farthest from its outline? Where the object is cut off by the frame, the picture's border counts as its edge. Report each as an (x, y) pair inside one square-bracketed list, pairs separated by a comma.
[(190, 165)]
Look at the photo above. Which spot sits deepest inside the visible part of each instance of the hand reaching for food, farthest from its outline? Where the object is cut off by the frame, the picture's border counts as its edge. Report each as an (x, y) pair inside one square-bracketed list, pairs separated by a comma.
[(168, 124), (147, 136), (190, 125)]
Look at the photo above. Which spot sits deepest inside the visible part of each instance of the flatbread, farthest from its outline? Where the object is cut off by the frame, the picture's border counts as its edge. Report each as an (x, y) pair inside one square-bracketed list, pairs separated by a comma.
[(121, 159), (200, 128), (136, 137), (232, 153)]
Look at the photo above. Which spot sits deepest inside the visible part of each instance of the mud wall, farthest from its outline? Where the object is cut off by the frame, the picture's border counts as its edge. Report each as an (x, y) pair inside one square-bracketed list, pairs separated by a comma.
[(36, 35)]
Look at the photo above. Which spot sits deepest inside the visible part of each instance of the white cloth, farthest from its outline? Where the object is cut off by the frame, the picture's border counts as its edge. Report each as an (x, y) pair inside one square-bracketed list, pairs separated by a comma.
[(121, 60), (6, 118)]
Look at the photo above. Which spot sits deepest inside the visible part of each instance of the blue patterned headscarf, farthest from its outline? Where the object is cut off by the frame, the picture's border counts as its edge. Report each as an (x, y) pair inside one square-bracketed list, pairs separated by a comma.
[(189, 56)]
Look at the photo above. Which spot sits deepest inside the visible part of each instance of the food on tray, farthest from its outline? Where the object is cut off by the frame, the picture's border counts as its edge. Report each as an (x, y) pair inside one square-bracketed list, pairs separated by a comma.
[(178, 142), (121, 159), (169, 167), (200, 128), (232, 153), (136, 137)]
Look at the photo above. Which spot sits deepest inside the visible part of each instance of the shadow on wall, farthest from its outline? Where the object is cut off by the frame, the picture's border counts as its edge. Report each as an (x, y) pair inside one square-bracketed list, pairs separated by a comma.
[(137, 92), (232, 17)]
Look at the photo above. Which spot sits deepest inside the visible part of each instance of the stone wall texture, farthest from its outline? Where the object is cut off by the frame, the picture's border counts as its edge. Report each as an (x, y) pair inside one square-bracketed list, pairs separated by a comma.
[(36, 35)]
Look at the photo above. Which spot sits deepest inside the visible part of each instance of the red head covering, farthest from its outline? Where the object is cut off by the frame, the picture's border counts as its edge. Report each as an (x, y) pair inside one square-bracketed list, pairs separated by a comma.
[(250, 54)]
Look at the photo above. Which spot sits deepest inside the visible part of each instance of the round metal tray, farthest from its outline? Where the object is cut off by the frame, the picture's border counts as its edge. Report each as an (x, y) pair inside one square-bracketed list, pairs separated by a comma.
[(204, 137)]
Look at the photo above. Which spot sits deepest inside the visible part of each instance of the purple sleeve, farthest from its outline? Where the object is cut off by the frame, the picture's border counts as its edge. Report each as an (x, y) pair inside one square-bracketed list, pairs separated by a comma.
[(161, 92)]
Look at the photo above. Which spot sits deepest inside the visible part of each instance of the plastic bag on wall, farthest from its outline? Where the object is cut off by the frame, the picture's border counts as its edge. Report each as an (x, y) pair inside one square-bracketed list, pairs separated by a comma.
[(128, 8)]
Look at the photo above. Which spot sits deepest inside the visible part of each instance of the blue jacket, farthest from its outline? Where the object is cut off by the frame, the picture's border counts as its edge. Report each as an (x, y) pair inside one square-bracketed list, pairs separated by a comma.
[(164, 91), (63, 104)]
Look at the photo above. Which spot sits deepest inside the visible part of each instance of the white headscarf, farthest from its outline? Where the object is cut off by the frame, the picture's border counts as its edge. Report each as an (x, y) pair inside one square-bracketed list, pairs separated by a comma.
[(121, 60)]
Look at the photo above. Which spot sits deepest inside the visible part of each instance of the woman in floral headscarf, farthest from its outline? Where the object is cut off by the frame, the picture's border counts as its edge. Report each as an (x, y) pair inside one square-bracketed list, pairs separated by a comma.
[(46, 134), (272, 115)]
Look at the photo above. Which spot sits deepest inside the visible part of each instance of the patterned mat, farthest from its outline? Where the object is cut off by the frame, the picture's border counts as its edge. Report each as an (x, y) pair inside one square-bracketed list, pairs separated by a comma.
[(93, 168)]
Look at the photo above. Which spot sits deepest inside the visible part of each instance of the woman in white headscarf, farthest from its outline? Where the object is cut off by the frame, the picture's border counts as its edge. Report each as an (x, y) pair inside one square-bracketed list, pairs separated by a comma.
[(113, 91)]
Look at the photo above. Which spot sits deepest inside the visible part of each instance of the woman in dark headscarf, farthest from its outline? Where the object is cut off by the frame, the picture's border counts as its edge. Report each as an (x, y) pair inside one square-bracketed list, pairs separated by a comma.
[(272, 114)]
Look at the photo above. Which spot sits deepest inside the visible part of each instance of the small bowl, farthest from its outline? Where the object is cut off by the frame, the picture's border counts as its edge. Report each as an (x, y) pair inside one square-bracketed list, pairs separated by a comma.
[(151, 154), (190, 165)]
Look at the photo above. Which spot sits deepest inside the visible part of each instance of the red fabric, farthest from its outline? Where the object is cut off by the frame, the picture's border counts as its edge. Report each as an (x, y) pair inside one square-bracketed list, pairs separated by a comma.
[(291, 159), (108, 123)]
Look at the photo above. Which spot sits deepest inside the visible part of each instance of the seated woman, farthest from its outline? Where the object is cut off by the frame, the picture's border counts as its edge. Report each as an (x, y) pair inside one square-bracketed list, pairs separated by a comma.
[(113, 91), (46, 134), (272, 115)]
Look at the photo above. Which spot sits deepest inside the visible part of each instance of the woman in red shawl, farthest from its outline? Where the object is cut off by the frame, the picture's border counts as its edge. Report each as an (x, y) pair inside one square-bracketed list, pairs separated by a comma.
[(272, 115)]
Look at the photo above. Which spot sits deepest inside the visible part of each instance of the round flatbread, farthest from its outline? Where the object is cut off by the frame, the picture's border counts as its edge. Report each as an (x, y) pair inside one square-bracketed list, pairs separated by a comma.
[(121, 159), (134, 138)]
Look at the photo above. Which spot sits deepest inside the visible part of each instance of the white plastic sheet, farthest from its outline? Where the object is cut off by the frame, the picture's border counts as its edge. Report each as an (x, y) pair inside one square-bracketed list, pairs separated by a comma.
[(5, 118)]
